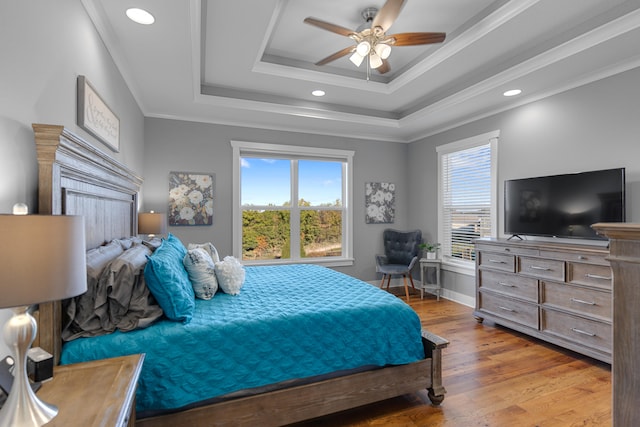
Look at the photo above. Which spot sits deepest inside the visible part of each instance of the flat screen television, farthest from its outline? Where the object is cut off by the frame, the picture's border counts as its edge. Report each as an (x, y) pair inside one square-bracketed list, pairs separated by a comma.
[(564, 206)]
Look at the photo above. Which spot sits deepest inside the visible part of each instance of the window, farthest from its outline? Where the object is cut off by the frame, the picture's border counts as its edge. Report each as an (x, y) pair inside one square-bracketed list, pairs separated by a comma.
[(467, 199), (292, 204)]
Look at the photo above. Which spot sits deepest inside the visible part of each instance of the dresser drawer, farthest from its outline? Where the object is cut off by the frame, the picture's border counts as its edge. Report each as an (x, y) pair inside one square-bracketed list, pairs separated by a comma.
[(584, 257), (588, 274), (511, 249), (590, 333), (497, 261), (541, 268), (590, 302), (509, 284), (510, 309)]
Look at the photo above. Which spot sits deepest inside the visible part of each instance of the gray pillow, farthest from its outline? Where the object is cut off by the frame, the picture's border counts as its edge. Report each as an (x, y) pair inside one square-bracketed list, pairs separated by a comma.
[(211, 250)]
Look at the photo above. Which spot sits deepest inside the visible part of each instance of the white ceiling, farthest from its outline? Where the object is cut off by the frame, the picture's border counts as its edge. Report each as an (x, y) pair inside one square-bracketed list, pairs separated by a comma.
[(250, 62)]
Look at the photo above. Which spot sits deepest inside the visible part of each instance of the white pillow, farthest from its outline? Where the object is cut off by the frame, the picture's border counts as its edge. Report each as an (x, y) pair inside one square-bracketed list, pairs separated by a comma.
[(211, 250), (201, 270), (230, 274)]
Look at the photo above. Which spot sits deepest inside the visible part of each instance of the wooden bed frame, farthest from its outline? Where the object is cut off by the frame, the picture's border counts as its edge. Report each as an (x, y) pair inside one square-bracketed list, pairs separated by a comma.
[(77, 179)]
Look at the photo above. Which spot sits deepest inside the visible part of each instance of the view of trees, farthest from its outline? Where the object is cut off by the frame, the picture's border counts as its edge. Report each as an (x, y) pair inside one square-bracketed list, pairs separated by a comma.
[(266, 232)]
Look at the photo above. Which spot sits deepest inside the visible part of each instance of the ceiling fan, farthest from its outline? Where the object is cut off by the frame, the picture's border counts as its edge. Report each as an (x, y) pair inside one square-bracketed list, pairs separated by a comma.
[(372, 41)]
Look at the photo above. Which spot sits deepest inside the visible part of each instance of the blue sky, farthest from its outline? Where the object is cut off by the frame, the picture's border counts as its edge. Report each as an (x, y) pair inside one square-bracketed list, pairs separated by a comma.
[(267, 181)]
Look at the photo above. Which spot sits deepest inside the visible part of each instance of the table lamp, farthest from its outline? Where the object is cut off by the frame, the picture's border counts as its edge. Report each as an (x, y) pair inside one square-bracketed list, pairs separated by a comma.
[(152, 223), (42, 258)]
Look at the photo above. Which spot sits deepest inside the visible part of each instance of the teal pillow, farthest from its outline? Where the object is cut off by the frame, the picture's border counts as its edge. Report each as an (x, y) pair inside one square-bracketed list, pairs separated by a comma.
[(176, 243), (169, 282)]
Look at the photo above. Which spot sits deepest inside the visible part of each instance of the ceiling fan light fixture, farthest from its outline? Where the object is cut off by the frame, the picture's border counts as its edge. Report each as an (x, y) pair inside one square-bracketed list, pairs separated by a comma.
[(363, 48), (356, 58), (374, 60), (383, 50)]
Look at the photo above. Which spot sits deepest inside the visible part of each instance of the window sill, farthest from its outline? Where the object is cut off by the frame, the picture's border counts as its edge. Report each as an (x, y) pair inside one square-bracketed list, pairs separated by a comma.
[(327, 262), (460, 267)]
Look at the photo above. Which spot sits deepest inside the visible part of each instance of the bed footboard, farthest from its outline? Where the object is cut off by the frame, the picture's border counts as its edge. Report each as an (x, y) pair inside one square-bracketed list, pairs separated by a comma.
[(317, 399), (433, 345)]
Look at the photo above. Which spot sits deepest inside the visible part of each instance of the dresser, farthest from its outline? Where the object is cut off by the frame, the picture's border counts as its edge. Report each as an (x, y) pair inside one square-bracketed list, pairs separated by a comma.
[(560, 293)]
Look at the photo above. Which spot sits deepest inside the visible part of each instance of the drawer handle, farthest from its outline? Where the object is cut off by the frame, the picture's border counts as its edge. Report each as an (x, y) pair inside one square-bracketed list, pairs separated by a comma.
[(508, 285), (579, 331), (506, 309), (535, 267), (497, 261), (579, 301), (596, 276)]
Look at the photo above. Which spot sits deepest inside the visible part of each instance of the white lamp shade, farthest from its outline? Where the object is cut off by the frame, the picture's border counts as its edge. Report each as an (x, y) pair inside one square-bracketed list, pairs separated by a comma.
[(374, 60), (152, 223), (42, 258), (384, 50), (363, 48), (356, 58)]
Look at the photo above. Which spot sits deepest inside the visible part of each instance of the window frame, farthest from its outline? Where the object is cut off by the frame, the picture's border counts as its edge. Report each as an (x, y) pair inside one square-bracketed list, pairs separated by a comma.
[(467, 267), (292, 152)]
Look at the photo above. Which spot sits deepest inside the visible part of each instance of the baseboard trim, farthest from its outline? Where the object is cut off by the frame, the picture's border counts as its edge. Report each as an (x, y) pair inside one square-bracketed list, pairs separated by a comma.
[(458, 297)]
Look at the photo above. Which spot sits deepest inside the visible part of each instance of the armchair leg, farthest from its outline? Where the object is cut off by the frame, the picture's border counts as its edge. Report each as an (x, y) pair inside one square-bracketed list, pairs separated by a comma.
[(388, 281), (411, 280), (384, 276), (406, 286)]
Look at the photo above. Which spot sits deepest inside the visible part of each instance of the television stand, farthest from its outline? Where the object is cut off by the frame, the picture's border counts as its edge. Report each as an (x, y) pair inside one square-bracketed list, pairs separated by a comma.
[(515, 235), (557, 292)]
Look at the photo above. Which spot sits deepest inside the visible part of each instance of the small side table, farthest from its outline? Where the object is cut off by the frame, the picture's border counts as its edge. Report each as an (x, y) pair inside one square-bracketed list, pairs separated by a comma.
[(98, 393), (425, 265)]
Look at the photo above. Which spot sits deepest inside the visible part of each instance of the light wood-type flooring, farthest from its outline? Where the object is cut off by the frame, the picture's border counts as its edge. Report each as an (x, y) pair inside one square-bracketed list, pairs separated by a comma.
[(494, 377)]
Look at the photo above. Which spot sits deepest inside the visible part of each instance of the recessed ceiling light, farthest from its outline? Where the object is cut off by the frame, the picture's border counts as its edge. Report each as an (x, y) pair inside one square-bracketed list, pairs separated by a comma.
[(318, 92), (512, 92), (140, 16)]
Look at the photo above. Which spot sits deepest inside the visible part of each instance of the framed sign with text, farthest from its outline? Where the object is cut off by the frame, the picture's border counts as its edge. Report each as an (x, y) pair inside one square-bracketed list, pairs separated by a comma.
[(95, 116)]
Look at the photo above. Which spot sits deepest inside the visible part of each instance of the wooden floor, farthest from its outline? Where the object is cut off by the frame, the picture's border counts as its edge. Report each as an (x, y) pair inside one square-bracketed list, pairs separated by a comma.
[(494, 377)]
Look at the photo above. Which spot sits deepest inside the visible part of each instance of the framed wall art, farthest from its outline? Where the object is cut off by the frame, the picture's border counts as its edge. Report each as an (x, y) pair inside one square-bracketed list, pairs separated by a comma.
[(191, 198), (380, 202), (95, 116)]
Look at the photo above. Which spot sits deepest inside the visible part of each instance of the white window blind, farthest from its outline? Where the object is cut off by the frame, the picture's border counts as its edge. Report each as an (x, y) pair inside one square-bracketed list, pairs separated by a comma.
[(467, 195)]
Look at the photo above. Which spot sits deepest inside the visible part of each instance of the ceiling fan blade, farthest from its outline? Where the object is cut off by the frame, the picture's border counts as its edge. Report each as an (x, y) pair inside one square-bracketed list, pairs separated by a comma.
[(337, 55), (385, 67), (387, 14), (410, 39), (329, 26)]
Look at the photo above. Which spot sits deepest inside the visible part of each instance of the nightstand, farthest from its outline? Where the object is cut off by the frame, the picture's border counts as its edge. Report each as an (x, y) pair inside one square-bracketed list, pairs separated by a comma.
[(98, 393), (425, 283)]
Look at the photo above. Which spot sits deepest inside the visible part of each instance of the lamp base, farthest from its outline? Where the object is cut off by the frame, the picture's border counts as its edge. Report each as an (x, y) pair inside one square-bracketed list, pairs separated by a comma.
[(22, 407)]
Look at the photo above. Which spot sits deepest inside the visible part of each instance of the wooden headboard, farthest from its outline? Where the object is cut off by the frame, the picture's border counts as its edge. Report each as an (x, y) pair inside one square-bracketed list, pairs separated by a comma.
[(75, 178)]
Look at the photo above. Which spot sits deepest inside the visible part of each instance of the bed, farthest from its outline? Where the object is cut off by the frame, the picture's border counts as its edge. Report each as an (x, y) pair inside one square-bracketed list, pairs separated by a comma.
[(76, 178)]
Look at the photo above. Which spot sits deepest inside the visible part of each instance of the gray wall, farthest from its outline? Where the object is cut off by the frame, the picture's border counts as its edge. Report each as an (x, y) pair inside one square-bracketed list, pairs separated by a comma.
[(44, 46), (596, 126), (187, 146)]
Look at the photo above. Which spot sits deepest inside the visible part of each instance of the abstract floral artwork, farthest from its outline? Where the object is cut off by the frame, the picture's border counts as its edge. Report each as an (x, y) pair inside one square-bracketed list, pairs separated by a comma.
[(380, 202), (190, 198)]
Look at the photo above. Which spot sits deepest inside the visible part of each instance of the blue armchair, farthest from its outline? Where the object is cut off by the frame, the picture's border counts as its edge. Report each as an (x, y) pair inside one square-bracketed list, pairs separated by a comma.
[(401, 250)]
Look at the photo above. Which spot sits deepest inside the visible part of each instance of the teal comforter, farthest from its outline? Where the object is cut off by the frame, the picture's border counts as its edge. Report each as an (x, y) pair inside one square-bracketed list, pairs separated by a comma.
[(288, 322)]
